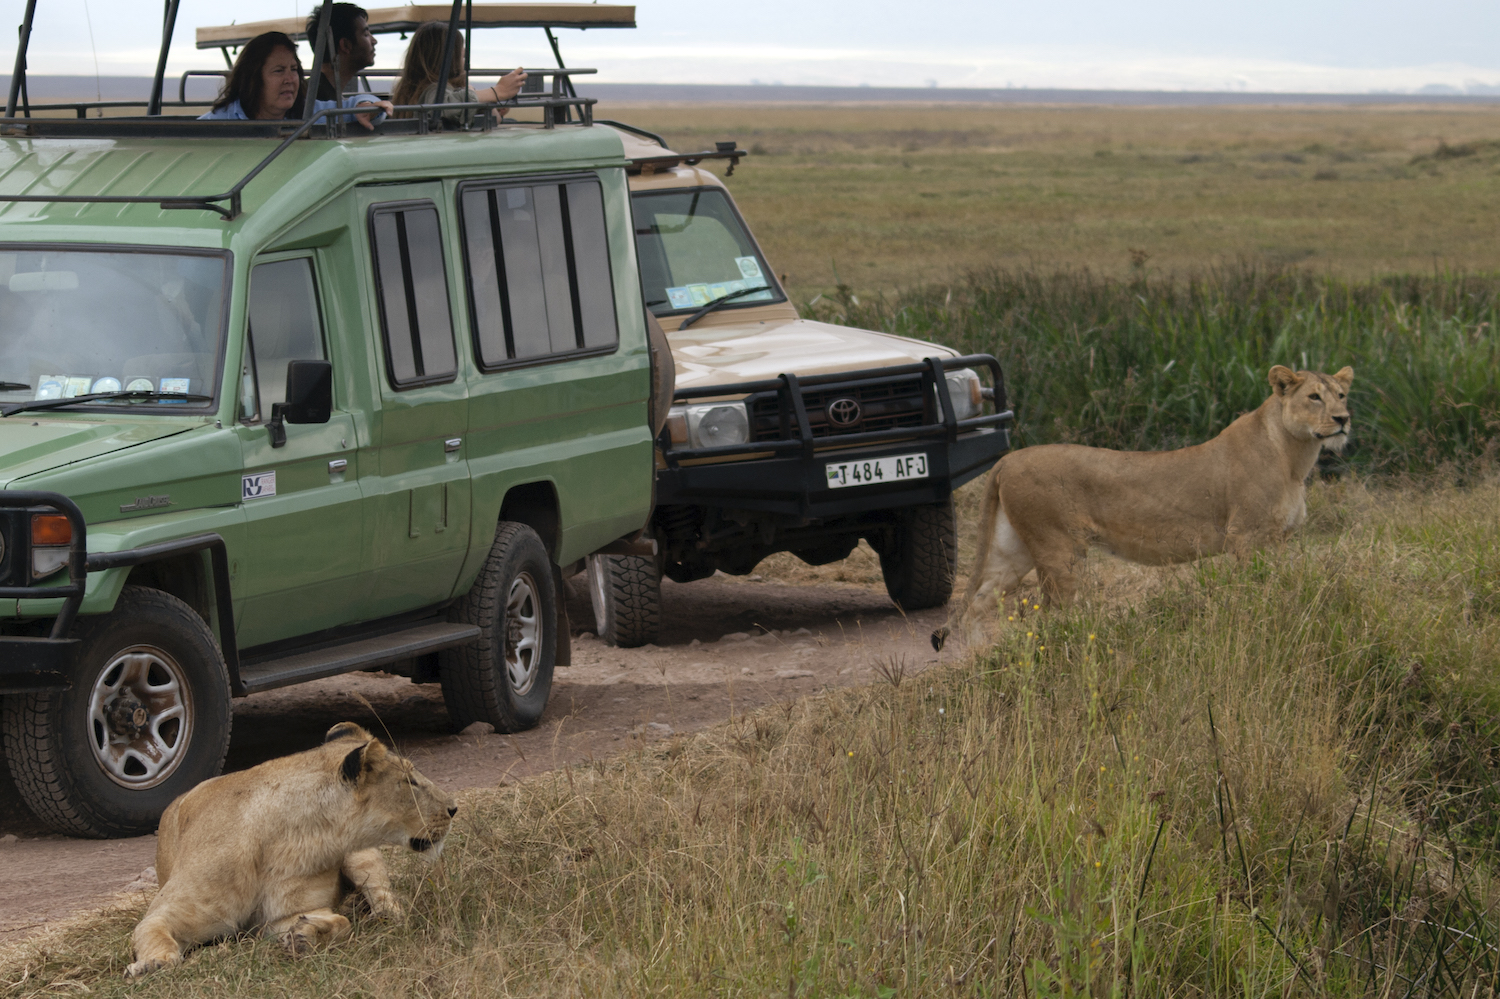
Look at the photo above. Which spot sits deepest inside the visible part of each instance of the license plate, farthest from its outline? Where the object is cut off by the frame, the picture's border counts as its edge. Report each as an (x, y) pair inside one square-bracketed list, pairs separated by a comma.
[(873, 471)]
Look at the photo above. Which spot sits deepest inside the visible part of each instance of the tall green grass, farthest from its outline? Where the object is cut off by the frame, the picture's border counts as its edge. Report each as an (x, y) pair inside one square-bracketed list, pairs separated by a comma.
[(1162, 361)]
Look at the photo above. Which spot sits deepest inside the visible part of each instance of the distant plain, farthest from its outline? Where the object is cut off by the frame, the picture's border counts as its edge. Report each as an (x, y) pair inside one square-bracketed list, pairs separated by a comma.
[(888, 198)]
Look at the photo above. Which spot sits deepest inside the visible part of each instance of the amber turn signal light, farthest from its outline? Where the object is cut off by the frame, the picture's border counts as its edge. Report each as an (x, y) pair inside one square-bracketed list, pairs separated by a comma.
[(51, 529)]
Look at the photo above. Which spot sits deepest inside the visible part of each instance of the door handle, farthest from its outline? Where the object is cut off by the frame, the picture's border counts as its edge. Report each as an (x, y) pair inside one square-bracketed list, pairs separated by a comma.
[(337, 465), (452, 444)]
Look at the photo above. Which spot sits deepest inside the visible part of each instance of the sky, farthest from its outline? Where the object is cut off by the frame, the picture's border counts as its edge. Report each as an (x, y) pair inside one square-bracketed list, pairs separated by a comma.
[(1325, 46)]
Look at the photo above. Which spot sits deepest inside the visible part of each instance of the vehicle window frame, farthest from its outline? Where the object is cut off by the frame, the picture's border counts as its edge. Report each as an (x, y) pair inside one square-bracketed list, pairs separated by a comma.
[(220, 356), (532, 360), (390, 207), (772, 279), (277, 258)]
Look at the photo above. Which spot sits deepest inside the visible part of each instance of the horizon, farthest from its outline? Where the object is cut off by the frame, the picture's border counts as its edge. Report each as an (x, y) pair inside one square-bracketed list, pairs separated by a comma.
[(1268, 47)]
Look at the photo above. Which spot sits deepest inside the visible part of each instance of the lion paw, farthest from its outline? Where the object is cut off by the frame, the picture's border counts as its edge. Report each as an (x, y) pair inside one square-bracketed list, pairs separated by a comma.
[(141, 969), (300, 939)]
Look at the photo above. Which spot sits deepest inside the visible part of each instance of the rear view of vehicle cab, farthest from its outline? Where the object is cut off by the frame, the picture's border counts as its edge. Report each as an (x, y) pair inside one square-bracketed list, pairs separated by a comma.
[(786, 434), (287, 399)]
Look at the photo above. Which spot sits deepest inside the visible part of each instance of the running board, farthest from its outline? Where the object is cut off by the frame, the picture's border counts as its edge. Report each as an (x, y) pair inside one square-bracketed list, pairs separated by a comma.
[(362, 653)]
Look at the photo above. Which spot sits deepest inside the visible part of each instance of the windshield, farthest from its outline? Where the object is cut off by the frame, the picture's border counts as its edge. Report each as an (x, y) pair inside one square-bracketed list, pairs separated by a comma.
[(693, 248), (75, 322)]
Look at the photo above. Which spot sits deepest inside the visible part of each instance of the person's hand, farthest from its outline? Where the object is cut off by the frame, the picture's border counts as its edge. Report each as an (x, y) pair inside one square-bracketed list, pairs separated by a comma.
[(510, 84), (367, 119)]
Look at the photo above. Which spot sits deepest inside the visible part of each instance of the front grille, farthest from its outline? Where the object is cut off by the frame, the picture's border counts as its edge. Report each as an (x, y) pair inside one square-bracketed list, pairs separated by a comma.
[(885, 404)]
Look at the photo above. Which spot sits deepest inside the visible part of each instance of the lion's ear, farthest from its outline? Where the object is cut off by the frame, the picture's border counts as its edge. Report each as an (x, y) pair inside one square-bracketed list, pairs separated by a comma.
[(354, 763), (1283, 379), (345, 730), (1344, 376)]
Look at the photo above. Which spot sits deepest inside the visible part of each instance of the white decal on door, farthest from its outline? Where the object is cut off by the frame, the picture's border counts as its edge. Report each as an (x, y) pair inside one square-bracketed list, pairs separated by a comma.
[(258, 485)]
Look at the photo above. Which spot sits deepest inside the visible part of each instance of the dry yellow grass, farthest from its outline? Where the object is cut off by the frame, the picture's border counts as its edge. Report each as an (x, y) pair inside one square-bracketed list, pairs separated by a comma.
[(1269, 778), (900, 196)]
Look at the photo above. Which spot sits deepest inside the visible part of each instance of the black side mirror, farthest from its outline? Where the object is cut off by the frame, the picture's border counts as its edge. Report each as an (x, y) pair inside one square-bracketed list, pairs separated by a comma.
[(309, 398)]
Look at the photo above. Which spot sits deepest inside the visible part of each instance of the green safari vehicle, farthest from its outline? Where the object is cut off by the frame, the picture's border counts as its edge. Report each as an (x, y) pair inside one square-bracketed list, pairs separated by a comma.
[(283, 400)]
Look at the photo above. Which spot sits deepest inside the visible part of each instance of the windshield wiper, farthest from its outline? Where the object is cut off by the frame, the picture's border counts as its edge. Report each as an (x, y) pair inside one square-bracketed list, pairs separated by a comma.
[(35, 404), (711, 306), (13, 386)]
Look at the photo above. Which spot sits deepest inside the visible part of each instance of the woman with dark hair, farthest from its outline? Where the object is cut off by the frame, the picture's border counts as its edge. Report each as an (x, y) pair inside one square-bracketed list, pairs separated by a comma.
[(266, 84), (423, 63)]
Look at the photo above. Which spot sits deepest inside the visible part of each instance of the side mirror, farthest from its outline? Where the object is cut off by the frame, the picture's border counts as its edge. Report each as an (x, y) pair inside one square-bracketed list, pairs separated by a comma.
[(309, 398)]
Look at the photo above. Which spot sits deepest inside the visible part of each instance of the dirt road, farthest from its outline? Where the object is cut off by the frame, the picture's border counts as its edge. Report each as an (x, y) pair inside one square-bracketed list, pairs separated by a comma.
[(727, 646)]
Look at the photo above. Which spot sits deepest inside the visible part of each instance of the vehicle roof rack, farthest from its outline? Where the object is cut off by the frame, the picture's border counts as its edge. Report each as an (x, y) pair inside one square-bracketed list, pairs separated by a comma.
[(229, 205), (389, 20), (647, 165)]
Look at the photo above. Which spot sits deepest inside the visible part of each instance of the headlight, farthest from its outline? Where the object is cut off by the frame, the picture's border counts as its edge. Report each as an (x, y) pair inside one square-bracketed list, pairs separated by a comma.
[(51, 536), (963, 389), (709, 424)]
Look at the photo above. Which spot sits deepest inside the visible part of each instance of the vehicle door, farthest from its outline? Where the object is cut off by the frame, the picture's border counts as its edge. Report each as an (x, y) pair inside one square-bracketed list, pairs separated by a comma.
[(551, 400), (302, 566), (417, 505)]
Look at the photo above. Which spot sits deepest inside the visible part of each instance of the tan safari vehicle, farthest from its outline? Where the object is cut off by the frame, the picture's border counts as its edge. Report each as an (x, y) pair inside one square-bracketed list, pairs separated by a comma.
[(786, 434)]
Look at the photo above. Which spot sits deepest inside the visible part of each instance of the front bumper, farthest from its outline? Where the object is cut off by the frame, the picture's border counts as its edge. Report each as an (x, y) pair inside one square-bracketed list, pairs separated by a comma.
[(793, 479)]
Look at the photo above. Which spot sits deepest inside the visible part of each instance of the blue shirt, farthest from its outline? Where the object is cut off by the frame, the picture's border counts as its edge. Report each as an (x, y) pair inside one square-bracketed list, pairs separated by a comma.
[(233, 112)]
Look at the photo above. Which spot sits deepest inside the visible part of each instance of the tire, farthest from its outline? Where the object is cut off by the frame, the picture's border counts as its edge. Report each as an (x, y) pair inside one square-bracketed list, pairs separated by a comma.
[(505, 677), (626, 593), (921, 557), (149, 680)]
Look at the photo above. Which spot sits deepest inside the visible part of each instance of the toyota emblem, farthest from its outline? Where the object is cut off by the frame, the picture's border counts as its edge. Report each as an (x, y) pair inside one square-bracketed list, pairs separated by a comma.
[(843, 412)]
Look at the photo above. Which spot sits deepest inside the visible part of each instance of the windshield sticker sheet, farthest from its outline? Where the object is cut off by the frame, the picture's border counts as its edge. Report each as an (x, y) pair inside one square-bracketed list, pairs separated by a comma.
[(689, 296), (71, 386)]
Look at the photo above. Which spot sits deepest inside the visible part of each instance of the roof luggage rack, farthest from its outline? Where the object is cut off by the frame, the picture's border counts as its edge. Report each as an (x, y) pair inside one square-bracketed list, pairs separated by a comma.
[(420, 124)]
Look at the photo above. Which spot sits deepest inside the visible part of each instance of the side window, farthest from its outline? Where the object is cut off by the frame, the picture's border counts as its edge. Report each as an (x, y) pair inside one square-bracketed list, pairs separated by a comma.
[(414, 315), (538, 270), (284, 326)]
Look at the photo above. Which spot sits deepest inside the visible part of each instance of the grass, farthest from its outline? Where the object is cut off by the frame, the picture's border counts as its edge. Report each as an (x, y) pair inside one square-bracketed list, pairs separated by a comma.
[(887, 198), (1271, 778), (1149, 362)]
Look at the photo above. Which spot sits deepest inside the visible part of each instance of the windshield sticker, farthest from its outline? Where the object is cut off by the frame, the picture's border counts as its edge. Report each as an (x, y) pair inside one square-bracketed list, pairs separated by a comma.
[(257, 486), (680, 298), (50, 386), (175, 385), (106, 384), (139, 385), (750, 269), (76, 386), (690, 295)]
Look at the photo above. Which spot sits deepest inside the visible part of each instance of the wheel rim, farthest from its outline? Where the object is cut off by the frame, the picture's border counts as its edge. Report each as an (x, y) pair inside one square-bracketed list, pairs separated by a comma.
[(599, 591), (523, 634), (140, 717)]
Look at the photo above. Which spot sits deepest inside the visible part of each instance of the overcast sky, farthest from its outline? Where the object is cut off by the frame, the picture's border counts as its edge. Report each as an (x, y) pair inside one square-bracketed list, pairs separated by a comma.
[(1353, 46)]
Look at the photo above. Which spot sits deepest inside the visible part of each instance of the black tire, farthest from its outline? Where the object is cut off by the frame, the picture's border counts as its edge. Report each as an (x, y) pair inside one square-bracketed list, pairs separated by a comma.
[(149, 679), (505, 677), (921, 556), (626, 593)]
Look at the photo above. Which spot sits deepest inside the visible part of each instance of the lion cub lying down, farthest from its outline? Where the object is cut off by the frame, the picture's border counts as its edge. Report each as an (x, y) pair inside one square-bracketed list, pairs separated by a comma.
[(274, 848), (1242, 490)]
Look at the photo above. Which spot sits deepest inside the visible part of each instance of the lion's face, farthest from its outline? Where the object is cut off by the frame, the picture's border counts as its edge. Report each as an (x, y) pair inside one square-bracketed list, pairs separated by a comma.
[(1314, 406), (404, 806)]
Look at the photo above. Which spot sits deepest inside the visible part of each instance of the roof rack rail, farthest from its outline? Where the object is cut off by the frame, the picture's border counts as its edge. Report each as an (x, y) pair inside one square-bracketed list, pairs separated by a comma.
[(647, 165), (158, 127)]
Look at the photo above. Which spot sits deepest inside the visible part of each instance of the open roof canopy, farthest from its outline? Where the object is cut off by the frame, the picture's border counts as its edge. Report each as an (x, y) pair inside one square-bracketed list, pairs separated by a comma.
[(388, 20)]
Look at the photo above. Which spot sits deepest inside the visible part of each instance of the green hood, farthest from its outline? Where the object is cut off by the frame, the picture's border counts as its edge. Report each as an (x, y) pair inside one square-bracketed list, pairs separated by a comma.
[(31, 443)]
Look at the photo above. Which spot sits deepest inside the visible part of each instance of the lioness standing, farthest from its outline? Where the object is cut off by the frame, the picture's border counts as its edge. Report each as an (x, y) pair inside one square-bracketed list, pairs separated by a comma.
[(1245, 488), (273, 848)]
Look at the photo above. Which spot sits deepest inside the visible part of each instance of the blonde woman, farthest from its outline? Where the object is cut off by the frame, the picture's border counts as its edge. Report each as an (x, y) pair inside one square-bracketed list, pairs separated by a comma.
[(423, 63)]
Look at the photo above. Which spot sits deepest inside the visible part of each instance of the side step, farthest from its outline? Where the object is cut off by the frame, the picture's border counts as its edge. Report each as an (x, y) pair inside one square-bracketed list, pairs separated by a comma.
[(361, 653)]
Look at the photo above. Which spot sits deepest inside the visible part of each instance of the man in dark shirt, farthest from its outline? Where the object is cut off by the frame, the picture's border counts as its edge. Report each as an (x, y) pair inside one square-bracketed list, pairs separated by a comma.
[(350, 26)]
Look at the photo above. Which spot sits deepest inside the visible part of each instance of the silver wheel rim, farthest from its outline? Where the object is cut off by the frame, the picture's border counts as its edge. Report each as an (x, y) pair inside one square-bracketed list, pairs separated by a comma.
[(140, 717), (523, 634), (599, 592)]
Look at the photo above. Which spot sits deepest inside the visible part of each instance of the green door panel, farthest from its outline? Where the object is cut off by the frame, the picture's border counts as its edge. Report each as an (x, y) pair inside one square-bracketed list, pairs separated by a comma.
[(417, 502), (301, 568)]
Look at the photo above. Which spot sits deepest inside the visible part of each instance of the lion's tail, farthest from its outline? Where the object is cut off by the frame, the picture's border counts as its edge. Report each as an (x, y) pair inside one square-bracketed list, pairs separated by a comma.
[(988, 512)]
